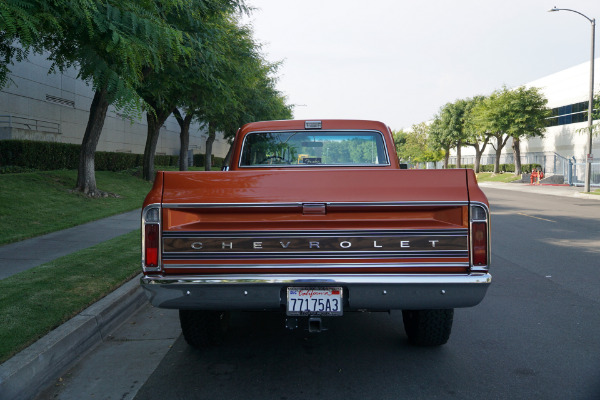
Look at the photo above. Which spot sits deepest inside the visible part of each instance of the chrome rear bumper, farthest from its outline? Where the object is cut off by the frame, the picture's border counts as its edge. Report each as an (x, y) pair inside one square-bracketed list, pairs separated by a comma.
[(361, 292)]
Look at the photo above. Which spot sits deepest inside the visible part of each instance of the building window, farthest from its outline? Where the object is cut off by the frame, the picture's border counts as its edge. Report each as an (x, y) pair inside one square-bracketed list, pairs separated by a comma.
[(569, 114)]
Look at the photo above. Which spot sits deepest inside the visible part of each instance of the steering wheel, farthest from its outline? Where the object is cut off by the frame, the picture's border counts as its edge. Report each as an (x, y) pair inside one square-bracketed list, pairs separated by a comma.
[(277, 159)]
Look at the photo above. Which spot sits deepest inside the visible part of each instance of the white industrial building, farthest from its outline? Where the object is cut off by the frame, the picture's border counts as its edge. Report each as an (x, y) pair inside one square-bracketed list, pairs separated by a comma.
[(37, 105), (563, 146), (567, 92)]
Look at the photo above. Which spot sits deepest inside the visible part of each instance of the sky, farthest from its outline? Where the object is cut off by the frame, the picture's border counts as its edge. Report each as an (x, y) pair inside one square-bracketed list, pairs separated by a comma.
[(400, 61)]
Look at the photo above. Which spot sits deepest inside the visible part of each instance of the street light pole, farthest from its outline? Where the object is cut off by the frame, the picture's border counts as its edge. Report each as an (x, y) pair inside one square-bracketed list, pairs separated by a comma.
[(588, 165)]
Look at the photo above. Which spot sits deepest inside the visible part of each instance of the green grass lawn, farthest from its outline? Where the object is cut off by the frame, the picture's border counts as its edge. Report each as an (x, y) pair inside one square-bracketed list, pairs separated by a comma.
[(36, 203), (34, 302), (491, 177)]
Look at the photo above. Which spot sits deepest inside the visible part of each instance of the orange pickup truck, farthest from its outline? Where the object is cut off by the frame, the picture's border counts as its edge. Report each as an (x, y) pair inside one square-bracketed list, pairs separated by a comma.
[(314, 219)]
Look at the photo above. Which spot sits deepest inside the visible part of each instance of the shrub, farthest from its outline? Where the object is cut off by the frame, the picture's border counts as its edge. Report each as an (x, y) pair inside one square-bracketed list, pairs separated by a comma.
[(27, 155), (525, 168), (216, 161), (38, 155)]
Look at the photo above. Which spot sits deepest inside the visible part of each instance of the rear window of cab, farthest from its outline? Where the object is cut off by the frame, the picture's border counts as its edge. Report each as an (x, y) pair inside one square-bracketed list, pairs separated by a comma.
[(309, 148)]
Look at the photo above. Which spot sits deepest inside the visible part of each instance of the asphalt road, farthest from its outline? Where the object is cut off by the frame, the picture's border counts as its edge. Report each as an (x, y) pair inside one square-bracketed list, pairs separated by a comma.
[(535, 335)]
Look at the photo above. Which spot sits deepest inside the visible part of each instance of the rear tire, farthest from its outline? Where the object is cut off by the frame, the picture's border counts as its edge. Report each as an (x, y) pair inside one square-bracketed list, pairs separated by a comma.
[(203, 328), (428, 327)]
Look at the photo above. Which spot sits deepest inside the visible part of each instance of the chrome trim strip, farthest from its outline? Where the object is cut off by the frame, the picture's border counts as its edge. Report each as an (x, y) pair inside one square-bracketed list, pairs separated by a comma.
[(317, 265), (301, 233), (296, 256), (398, 203), (329, 204), (259, 279), (231, 205)]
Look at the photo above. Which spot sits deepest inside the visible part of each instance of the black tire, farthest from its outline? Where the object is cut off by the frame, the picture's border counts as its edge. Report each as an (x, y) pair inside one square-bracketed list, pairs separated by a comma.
[(203, 328), (428, 327)]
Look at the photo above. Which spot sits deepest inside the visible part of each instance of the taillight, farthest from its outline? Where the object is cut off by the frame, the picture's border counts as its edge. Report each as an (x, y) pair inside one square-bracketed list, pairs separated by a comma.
[(151, 241), (479, 232), (479, 237), (151, 238)]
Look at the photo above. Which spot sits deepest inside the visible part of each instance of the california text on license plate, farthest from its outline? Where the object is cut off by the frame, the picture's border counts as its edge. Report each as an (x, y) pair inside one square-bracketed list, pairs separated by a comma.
[(315, 301)]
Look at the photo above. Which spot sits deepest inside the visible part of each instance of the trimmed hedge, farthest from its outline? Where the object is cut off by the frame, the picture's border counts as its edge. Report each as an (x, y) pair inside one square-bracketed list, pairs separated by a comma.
[(525, 168), (22, 155), (38, 155), (216, 161)]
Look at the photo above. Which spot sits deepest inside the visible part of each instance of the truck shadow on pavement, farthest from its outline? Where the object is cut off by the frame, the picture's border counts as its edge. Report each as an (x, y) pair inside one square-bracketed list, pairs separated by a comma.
[(361, 355)]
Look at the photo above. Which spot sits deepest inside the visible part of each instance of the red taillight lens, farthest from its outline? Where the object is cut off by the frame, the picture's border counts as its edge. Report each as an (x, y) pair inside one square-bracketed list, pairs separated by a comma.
[(479, 240), (151, 243)]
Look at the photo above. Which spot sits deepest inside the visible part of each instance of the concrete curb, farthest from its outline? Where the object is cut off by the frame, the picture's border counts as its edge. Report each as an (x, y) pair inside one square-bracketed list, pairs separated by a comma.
[(551, 190), (39, 365)]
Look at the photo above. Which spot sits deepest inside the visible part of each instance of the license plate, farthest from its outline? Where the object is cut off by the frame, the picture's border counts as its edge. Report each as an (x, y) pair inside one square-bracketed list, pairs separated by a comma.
[(315, 301)]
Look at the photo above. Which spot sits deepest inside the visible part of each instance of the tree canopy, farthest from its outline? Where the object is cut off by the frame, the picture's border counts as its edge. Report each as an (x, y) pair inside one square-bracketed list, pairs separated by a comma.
[(503, 115), (228, 84), (507, 114), (416, 145), (150, 54)]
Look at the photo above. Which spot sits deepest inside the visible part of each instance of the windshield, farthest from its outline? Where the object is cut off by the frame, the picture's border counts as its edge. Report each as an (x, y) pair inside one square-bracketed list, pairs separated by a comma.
[(306, 148)]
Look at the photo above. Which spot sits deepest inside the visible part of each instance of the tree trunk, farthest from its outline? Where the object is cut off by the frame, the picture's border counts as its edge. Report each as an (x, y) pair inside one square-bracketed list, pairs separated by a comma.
[(517, 155), (184, 138), (155, 122), (498, 153), (86, 177), (446, 156), (209, 143), (500, 143), (458, 154), (477, 163), (479, 154), (227, 161)]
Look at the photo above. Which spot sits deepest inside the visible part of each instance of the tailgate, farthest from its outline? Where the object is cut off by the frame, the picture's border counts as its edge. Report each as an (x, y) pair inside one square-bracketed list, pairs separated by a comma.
[(325, 221)]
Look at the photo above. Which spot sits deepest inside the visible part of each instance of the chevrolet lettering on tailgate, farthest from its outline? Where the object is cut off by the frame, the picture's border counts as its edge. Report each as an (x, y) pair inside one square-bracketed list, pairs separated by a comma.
[(313, 220)]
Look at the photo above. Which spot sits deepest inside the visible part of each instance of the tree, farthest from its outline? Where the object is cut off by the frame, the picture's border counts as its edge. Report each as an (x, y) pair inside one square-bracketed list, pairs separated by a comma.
[(529, 112), (245, 90), (252, 95), (453, 121), (512, 114), (184, 137), (191, 82), (416, 146), (491, 115), (113, 43), (23, 24), (476, 135), (400, 138), (448, 129), (441, 138)]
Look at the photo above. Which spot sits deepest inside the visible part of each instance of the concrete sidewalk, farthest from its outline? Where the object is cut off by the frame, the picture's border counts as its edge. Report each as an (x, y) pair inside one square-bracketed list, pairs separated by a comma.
[(38, 366), (26, 254)]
